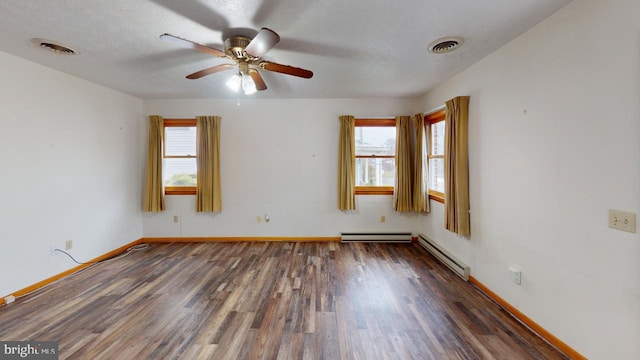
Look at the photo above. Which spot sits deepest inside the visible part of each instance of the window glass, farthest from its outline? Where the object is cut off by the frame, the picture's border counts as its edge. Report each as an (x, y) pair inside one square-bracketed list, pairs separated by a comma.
[(375, 155), (436, 174), (375, 140), (180, 171), (437, 138), (375, 172), (180, 141), (435, 155), (179, 166)]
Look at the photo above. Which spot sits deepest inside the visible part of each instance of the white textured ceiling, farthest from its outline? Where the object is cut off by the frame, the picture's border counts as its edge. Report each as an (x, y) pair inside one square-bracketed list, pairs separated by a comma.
[(356, 49)]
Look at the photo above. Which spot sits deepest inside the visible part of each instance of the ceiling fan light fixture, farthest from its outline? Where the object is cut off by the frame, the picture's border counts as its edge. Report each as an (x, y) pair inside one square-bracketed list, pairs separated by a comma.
[(248, 85), (243, 52), (234, 82)]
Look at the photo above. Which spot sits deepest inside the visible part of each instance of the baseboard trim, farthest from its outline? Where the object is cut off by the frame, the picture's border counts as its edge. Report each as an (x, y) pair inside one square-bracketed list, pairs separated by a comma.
[(559, 344), (242, 239), (57, 277)]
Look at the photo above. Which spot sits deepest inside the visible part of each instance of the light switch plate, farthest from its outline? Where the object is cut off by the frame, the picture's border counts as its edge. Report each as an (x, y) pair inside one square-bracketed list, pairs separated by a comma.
[(622, 220), (516, 275)]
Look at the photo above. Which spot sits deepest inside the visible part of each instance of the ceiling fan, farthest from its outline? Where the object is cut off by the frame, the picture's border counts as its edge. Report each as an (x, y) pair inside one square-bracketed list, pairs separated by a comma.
[(246, 55)]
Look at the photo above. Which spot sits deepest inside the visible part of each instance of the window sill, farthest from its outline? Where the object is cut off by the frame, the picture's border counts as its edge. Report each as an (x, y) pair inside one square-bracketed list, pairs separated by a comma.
[(374, 190), (180, 190)]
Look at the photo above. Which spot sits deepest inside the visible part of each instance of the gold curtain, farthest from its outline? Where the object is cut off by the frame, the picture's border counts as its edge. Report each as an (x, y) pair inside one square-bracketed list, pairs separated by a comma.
[(154, 189), (420, 196), (208, 195), (403, 189), (347, 164), (456, 166)]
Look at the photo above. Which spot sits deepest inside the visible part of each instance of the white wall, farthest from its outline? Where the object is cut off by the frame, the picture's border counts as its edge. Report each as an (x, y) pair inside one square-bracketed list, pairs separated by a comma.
[(542, 182), (278, 157), (71, 170)]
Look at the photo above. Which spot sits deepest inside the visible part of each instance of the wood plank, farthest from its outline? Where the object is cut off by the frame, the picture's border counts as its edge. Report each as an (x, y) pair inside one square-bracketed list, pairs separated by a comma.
[(271, 300)]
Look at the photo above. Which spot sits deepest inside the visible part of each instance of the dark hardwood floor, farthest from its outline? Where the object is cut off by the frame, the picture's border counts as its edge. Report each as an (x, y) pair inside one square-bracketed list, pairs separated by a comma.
[(274, 300)]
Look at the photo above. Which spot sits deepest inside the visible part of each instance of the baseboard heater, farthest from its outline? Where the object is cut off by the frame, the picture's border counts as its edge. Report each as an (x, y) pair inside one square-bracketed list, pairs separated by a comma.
[(380, 237), (458, 267)]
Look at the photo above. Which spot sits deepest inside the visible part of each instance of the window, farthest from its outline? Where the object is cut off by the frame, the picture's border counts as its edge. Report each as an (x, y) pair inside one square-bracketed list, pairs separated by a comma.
[(375, 156), (179, 166), (435, 154)]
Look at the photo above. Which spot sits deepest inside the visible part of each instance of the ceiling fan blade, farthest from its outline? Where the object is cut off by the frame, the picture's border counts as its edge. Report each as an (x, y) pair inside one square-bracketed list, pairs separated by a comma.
[(262, 43), (209, 71), (286, 69), (257, 79), (192, 45)]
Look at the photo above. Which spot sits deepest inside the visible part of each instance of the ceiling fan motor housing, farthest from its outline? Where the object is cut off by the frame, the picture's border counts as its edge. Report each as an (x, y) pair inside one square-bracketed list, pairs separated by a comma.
[(234, 46)]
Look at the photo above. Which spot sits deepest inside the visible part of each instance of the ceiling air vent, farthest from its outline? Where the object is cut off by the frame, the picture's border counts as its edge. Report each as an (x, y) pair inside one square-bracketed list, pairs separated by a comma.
[(445, 44), (54, 47)]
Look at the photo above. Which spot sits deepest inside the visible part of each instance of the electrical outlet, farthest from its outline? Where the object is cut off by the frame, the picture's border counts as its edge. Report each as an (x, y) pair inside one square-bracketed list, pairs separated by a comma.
[(516, 275), (258, 218), (622, 220), (267, 218), (175, 218), (68, 244), (383, 218)]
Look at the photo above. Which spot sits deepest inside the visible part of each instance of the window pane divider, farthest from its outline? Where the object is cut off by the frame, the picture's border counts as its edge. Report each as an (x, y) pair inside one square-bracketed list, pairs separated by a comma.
[(436, 195), (374, 190)]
